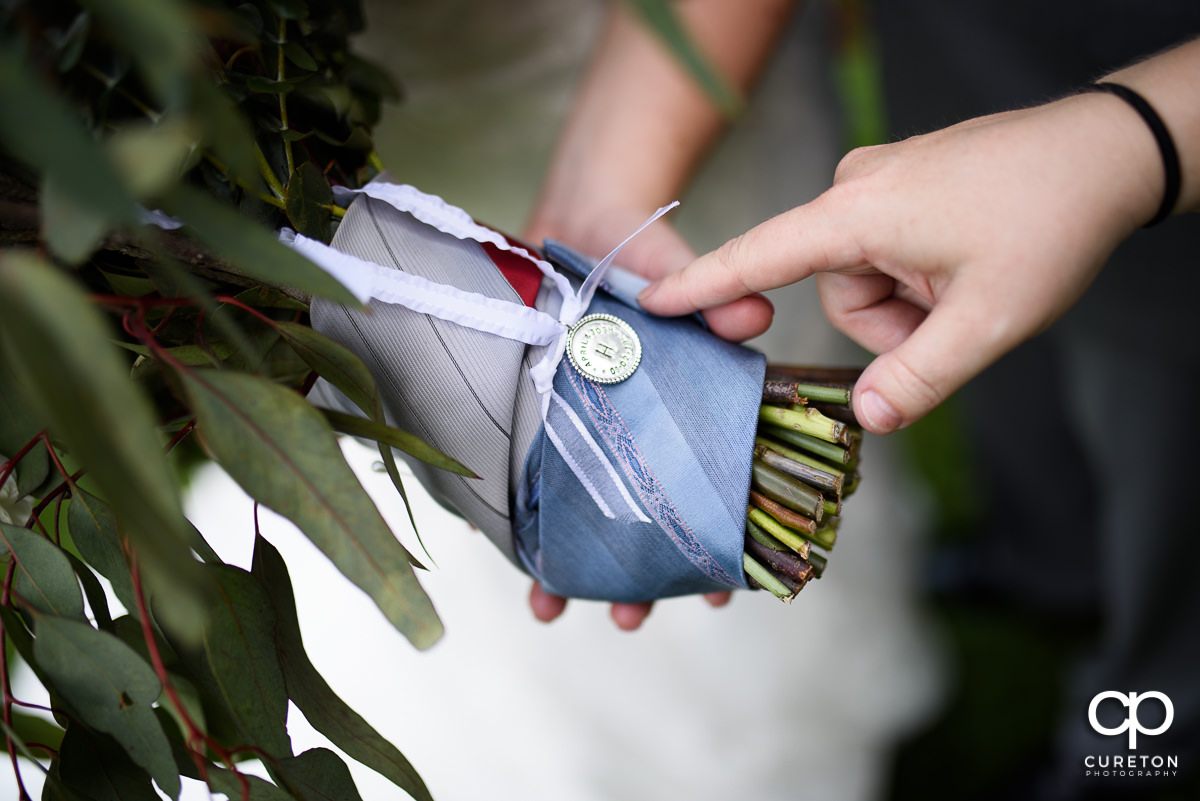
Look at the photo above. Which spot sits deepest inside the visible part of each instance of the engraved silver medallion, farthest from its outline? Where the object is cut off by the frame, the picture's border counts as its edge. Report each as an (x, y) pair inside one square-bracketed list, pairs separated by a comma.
[(604, 348)]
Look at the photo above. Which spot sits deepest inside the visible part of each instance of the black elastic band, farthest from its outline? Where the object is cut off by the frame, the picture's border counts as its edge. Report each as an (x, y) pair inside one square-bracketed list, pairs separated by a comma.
[(1166, 147)]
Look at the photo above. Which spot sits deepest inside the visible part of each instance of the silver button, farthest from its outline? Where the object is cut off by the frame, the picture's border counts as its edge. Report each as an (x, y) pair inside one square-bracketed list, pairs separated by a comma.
[(604, 348)]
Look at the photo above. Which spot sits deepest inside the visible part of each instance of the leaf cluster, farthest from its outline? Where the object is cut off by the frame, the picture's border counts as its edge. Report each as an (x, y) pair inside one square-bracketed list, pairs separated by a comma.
[(124, 345)]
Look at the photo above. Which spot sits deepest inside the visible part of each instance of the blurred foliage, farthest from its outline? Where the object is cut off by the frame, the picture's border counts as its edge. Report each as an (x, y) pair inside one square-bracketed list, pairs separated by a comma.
[(122, 340)]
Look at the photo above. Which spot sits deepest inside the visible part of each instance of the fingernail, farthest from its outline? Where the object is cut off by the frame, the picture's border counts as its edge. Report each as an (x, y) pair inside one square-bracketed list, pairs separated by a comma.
[(647, 292), (880, 416)]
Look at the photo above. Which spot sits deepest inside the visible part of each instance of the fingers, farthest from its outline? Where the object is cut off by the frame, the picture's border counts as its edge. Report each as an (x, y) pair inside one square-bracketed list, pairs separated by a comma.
[(718, 599), (780, 251), (954, 342), (629, 617), (546, 607)]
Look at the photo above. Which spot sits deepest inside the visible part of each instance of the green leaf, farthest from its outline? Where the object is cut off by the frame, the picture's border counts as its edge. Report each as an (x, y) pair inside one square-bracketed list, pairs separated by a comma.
[(151, 157), (253, 249), (158, 35), (265, 297), (317, 775), (98, 768), (70, 46), (41, 130), (289, 9), (71, 229), (45, 581), (237, 663), (308, 689), (308, 200), (19, 425), (111, 687), (222, 780), (409, 443), (279, 449), (660, 16), (94, 531), (296, 54), (59, 347), (345, 370), (261, 85), (96, 597)]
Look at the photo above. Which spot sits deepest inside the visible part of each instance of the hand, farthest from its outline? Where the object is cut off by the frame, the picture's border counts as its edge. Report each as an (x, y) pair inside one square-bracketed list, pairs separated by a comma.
[(654, 253), (628, 617), (944, 251)]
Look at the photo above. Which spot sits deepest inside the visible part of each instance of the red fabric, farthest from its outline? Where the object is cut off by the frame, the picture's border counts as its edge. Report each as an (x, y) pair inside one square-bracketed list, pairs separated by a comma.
[(522, 274)]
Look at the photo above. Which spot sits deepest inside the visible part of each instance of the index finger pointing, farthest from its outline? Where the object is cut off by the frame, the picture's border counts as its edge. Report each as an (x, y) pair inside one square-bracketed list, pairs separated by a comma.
[(785, 249)]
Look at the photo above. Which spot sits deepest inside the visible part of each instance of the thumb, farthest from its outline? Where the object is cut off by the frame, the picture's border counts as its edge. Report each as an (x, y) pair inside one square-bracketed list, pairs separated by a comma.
[(949, 348)]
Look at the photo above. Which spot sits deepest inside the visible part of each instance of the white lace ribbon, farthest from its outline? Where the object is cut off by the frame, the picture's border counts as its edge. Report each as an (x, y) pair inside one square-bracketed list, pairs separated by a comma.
[(509, 320)]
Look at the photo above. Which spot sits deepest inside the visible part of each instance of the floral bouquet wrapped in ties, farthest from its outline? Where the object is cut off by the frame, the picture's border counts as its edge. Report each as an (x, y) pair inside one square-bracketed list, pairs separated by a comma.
[(618, 456)]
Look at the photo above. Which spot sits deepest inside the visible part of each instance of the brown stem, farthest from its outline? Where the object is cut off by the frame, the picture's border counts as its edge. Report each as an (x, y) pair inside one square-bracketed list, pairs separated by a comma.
[(784, 515), (778, 392), (784, 564)]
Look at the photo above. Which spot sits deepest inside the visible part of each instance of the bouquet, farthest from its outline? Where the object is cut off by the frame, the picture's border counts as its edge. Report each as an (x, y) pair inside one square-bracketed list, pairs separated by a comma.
[(617, 455)]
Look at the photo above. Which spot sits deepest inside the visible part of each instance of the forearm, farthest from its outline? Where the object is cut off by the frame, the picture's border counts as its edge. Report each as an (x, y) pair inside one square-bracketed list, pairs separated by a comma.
[(641, 122), (1169, 83)]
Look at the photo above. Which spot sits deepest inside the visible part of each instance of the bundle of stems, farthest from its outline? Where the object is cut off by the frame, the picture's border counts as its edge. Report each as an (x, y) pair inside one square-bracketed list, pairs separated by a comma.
[(805, 466)]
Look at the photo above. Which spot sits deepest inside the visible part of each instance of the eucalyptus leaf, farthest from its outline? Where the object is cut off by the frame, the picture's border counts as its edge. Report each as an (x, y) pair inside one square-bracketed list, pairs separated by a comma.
[(308, 689), (289, 9), (308, 201), (261, 85), (70, 46), (265, 297), (409, 443), (72, 230), (158, 35), (96, 767), (253, 249), (296, 54), (346, 371), (45, 580), (111, 687), (280, 450), (222, 780), (93, 529), (58, 345), (317, 775), (151, 157), (40, 129), (96, 597), (237, 664), (18, 426)]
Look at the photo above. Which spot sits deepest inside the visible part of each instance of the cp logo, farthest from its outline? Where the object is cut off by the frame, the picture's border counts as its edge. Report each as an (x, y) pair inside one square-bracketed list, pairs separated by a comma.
[(1132, 724)]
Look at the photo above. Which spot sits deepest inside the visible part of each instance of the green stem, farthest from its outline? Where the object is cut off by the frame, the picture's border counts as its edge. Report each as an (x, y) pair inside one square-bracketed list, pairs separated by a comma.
[(267, 173), (815, 393), (755, 532), (283, 114), (764, 578), (808, 421), (826, 450), (786, 490), (785, 535)]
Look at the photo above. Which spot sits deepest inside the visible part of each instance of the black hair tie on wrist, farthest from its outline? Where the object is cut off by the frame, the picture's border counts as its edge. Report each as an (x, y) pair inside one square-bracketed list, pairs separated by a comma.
[(1166, 147)]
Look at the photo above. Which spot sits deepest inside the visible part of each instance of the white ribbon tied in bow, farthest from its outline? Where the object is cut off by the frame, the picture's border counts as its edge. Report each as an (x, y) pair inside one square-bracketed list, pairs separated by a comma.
[(367, 281)]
